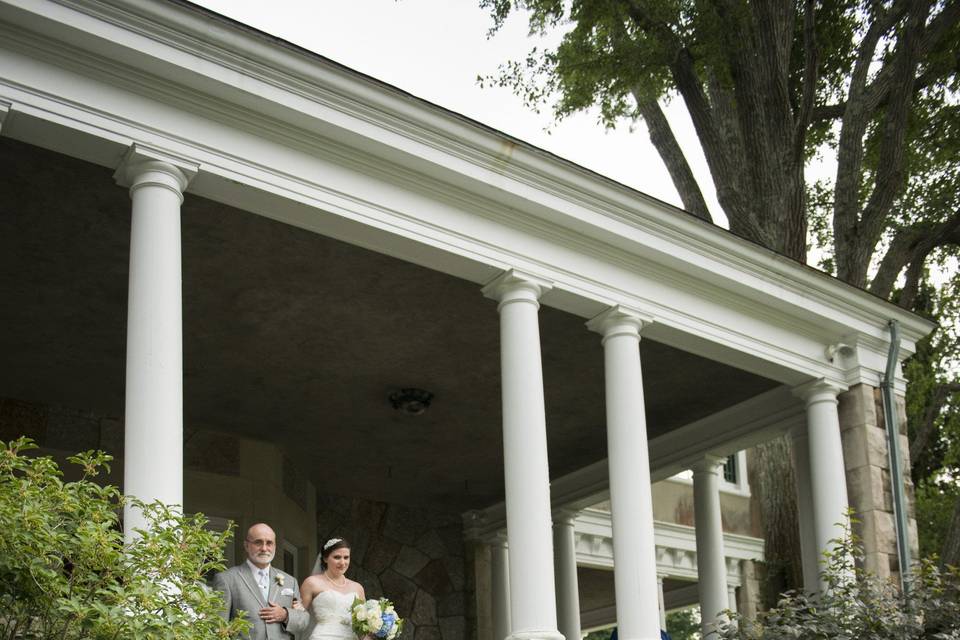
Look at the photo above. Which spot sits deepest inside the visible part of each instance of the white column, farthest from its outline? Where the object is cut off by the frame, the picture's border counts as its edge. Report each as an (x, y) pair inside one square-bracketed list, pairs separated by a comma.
[(809, 558), (634, 557), (533, 613), (4, 112), (732, 597), (711, 564), (828, 481), (663, 608), (153, 422), (568, 595), (500, 587)]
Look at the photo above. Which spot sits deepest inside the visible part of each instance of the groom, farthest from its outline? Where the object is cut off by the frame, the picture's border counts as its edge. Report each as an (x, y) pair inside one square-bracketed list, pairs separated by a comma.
[(265, 593)]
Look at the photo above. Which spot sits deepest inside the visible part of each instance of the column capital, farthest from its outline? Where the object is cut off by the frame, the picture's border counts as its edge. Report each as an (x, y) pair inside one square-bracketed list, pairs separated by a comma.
[(496, 539), (619, 320), (142, 165), (709, 464), (516, 286), (819, 390), (565, 515), (5, 109)]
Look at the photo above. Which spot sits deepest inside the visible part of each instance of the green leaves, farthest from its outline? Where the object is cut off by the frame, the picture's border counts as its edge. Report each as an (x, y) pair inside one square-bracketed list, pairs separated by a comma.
[(66, 573), (860, 605)]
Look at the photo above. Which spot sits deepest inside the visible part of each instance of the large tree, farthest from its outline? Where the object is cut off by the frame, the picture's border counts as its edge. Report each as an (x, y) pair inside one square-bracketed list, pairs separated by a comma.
[(770, 85)]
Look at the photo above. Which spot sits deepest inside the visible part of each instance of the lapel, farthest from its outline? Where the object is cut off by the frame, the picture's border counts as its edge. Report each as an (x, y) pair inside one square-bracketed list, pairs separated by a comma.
[(246, 575), (273, 588)]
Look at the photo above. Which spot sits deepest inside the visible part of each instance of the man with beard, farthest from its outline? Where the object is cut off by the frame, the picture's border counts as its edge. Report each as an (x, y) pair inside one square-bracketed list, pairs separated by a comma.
[(265, 593)]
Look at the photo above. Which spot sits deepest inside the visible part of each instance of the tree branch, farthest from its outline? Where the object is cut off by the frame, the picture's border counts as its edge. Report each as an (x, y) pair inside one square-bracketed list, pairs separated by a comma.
[(665, 142), (911, 246), (846, 202), (811, 59), (889, 180), (878, 92), (720, 157)]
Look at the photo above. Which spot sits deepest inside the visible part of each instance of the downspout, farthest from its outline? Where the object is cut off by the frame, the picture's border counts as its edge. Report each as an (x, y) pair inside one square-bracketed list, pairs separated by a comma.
[(893, 446)]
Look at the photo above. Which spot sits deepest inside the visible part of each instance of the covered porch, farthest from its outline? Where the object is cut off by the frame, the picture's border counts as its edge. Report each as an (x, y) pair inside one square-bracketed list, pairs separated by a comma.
[(226, 254)]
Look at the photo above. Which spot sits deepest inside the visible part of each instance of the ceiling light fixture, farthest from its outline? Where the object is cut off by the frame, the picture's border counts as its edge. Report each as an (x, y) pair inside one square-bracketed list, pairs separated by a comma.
[(412, 401)]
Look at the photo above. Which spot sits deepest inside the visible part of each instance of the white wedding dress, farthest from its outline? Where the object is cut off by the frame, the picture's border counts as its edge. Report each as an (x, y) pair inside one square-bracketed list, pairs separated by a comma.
[(330, 615)]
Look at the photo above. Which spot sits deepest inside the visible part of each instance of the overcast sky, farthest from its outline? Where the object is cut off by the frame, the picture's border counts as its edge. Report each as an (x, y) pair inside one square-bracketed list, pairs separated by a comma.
[(435, 49)]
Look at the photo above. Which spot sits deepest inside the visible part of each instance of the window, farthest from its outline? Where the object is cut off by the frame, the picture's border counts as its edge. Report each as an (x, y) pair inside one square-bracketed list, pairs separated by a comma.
[(730, 469), (733, 476), (289, 559)]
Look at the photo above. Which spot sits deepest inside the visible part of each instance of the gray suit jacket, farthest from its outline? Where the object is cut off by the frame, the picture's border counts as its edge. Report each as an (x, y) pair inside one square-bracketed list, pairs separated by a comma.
[(241, 593)]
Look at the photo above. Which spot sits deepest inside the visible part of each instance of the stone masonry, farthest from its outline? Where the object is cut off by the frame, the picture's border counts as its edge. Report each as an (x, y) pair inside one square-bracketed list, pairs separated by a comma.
[(414, 557), (867, 462)]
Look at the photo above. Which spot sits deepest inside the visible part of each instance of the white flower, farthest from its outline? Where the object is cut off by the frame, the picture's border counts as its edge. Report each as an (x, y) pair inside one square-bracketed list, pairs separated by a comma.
[(375, 624), (278, 579), (393, 632)]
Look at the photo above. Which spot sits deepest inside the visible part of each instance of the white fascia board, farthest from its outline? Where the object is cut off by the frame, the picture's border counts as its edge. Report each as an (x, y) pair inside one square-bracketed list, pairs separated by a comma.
[(286, 95)]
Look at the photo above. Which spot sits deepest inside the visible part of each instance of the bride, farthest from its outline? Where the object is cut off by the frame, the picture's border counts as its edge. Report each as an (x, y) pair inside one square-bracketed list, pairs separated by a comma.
[(328, 596)]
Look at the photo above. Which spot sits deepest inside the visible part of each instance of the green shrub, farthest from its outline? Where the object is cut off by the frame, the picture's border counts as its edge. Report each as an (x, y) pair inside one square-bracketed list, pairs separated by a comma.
[(684, 624), (66, 573), (860, 606)]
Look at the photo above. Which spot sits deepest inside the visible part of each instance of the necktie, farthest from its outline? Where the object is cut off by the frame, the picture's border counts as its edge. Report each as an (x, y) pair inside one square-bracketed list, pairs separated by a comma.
[(262, 581)]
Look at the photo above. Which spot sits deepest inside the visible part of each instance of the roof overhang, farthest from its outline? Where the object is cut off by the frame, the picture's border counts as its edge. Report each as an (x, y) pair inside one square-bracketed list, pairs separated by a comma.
[(287, 134)]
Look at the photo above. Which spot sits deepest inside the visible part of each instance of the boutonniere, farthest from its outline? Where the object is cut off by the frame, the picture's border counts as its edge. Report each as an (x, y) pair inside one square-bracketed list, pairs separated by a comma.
[(278, 579)]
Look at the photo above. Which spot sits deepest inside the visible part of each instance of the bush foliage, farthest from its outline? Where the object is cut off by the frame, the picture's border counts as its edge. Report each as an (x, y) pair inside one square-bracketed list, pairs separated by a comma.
[(860, 606), (66, 573)]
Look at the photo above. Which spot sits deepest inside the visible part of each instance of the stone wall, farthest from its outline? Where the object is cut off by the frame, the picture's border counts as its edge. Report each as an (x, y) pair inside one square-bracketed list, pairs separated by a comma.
[(414, 557), (869, 491)]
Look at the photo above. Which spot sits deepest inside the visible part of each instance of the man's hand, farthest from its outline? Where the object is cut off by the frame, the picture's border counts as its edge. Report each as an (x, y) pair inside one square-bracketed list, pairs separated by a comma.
[(273, 614)]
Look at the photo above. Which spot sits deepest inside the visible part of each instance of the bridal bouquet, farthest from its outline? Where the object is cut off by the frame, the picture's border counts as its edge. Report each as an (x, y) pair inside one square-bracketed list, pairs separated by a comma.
[(375, 618)]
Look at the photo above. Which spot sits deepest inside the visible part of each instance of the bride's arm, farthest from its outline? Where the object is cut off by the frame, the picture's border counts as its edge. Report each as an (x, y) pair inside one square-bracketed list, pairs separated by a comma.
[(308, 591)]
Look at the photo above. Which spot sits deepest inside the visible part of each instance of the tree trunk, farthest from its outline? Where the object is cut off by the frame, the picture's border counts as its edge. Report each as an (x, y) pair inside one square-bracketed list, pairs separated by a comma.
[(950, 554), (663, 140), (773, 484)]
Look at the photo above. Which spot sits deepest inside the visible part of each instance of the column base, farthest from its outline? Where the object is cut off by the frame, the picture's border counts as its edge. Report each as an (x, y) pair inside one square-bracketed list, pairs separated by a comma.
[(552, 634)]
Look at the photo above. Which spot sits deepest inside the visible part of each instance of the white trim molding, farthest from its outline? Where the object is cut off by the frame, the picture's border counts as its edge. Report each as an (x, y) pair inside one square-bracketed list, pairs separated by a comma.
[(675, 544)]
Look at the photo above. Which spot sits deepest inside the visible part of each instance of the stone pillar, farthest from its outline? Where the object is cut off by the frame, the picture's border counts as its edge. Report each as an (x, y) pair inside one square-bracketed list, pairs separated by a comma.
[(749, 590), (867, 460), (568, 595), (711, 562), (635, 565), (828, 484), (533, 612), (153, 422), (808, 549), (500, 587)]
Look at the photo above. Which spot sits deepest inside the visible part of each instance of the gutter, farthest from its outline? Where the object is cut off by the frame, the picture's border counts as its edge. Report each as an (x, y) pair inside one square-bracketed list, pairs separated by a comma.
[(893, 447)]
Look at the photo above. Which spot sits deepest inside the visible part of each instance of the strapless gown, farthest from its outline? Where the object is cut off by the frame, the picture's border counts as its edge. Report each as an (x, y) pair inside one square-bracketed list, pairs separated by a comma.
[(330, 616)]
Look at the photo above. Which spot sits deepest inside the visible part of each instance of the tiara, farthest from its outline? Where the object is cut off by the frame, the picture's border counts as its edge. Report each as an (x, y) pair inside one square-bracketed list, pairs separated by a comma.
[(332, 541)]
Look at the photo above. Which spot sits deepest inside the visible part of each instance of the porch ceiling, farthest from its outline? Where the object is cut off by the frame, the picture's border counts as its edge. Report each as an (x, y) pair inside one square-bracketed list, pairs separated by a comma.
[(296, 338)]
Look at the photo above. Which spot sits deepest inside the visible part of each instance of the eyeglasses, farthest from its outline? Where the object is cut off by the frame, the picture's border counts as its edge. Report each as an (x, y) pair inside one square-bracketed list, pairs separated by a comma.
[(262, 543)]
